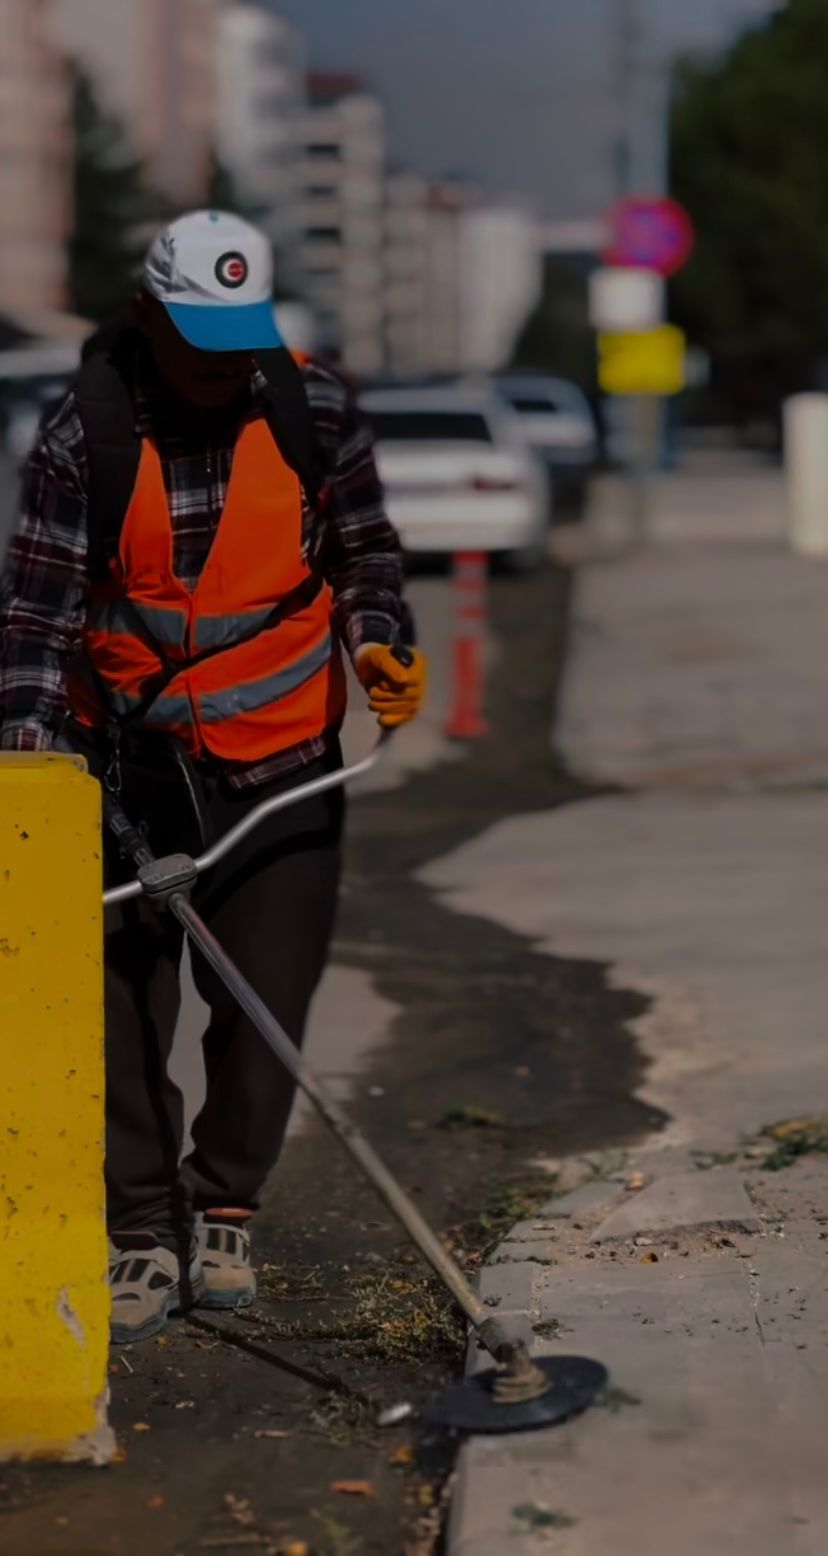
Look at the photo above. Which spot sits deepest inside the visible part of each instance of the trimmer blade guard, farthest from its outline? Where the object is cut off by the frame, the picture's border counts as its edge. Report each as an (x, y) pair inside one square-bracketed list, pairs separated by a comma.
[(574, 1384)]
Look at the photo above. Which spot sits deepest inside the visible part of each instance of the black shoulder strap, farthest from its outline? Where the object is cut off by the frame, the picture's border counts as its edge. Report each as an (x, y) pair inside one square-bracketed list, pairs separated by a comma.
[(113, 446), (290, 419)]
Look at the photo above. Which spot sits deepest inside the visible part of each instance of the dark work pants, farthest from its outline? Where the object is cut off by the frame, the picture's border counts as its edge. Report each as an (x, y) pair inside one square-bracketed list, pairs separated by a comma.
[(271, 905)]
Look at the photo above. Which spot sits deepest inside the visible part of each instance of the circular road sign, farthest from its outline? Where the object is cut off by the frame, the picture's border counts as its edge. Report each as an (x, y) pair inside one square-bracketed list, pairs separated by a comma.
[(650, 234)]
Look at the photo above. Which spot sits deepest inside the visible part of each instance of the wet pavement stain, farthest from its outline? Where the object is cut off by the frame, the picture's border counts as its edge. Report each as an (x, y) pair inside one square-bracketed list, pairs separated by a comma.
[(479, 1004)]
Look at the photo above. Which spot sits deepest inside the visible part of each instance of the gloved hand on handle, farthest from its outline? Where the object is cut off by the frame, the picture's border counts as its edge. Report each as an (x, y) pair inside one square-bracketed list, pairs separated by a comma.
[(396, 689)]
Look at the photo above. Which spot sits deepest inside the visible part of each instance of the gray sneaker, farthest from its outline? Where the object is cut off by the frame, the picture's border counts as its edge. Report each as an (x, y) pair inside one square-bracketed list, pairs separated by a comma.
[(146, 1283), (224, 1250)]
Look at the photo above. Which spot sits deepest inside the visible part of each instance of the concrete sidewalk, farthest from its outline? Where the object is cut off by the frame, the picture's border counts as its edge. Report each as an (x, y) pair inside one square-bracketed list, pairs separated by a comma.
[(696, 688)]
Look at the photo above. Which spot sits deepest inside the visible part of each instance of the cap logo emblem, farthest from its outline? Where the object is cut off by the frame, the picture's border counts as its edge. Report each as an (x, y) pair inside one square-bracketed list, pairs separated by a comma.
[(232, 270)]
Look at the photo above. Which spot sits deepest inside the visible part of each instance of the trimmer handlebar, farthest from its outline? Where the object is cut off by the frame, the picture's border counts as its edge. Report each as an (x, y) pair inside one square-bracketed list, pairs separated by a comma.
[(253, 819)]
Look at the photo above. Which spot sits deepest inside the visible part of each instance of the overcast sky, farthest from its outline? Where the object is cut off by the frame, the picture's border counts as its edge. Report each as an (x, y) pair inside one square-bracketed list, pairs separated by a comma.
[(516, 92)]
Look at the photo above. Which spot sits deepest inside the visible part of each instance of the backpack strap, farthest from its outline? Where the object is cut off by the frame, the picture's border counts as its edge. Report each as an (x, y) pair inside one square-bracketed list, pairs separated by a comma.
[(107, 412), (290, 419)]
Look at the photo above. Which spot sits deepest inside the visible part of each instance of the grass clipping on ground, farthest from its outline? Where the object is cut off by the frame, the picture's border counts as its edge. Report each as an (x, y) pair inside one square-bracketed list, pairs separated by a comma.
[(774, 1148), (502, 1206), (396, 1314), (408, 1319), (391, 1316), (794, 1138)]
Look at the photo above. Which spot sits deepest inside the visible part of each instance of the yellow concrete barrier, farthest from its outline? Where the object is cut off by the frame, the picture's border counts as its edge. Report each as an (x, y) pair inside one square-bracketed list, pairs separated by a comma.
[(54, 1302)]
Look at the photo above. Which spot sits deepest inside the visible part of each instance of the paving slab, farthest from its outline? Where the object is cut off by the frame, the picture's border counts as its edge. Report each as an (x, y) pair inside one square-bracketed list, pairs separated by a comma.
[(527, 1250), (716, 1198), (509, 1287), (588, 1199)]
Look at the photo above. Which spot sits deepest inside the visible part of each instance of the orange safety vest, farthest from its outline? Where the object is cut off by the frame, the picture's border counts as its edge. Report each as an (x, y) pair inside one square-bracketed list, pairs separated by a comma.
[(253, 698)]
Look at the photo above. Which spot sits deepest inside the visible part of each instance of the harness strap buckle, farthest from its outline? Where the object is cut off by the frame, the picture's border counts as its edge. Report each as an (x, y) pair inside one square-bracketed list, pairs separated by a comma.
[(164, 877)]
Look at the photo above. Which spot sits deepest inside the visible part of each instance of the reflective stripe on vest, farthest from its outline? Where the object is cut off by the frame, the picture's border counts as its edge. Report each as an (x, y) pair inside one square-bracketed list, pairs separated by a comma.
[(212, 631), (172, 708), (216, 706), (165, 624), (169, 627)]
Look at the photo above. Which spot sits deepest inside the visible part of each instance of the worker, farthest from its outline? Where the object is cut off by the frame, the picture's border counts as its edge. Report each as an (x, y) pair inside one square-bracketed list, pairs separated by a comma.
[(202, 534)]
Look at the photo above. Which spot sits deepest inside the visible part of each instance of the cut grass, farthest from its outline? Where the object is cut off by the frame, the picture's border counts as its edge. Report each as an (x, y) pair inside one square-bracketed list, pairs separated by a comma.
[(533, 1516), (502, 1206), (547, 1329), (774, 1148), (390, 1318), (793, 1138), (614, 1399)]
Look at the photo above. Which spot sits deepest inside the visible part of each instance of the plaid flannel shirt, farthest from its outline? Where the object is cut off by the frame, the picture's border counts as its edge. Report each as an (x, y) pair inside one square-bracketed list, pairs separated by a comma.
[(44, 586)]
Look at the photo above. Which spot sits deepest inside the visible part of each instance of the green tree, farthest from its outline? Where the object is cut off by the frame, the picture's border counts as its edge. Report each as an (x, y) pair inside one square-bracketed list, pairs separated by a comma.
[(112, 209), (749, 157)]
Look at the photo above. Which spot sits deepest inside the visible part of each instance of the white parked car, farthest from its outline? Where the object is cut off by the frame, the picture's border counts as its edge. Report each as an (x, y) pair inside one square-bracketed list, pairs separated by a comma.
[(557, 422), (33, 377), (25, 411), (457, 473)]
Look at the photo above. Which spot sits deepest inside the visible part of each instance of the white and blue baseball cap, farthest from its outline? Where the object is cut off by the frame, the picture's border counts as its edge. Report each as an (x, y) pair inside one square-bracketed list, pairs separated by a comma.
[(213, 273)]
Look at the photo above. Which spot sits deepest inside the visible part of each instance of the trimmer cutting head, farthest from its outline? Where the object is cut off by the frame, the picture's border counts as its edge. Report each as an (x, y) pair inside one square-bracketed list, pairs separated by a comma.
[(478, 1404)]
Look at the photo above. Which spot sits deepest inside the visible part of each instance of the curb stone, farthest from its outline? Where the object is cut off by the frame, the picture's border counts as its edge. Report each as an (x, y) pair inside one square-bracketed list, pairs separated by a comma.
[(494, 1476)]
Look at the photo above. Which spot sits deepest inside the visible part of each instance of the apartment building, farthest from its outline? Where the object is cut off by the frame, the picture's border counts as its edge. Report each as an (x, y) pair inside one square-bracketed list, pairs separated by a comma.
[(35, 154), (501, 269), (341, 252), (153, 64), (407, 303)]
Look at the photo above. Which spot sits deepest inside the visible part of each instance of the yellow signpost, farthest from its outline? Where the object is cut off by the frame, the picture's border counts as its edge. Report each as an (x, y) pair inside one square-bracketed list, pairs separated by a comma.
[(642, 362), (54, 1301)]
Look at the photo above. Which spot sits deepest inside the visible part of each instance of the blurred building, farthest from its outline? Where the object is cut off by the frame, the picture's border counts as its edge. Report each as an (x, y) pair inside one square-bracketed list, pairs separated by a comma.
[(406, 330), (446, 209), (343, 194), (153, 64), (261, 98), (501, 280), (35, 152), (423, 274), (461, 277)]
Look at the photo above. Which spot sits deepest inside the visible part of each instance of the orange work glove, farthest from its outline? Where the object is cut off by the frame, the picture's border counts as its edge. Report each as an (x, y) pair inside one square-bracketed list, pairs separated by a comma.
[(395, 691)]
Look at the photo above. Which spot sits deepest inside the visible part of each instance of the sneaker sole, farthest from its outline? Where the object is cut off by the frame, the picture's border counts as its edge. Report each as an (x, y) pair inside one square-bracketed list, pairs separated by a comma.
[(125, 1334), (224, 1300)]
